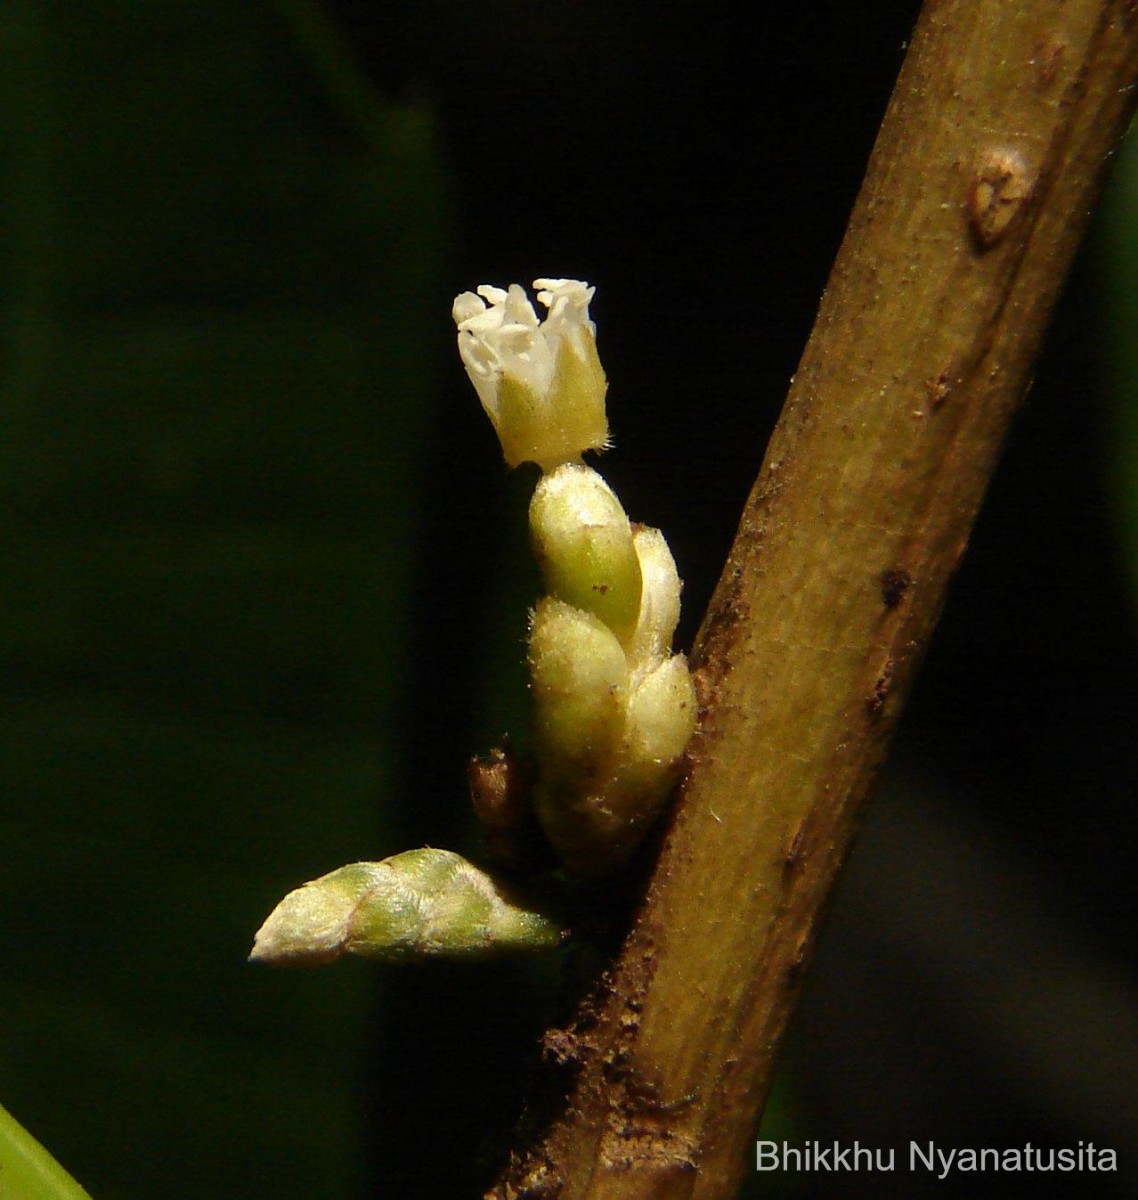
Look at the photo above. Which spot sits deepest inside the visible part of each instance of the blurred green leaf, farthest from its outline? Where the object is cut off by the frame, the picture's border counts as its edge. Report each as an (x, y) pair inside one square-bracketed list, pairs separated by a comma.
[(27, 1171), (213, 288)]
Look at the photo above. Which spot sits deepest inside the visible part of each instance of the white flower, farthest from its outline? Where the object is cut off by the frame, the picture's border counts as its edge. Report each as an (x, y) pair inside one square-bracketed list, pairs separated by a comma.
[(540, 382)]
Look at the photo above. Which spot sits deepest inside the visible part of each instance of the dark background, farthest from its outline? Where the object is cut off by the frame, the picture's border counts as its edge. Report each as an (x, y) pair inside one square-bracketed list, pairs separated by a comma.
[(267, 577)]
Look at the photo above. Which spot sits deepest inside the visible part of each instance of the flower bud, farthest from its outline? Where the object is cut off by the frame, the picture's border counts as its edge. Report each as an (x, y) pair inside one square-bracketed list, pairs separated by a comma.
[(580, 688), (595, 831), (540, 382), (659, 612), (419, 904), (661, 719), (584, 546)]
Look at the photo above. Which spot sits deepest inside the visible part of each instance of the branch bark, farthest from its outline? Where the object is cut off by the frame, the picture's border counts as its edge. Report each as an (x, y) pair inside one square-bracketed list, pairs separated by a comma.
[(977, 193)]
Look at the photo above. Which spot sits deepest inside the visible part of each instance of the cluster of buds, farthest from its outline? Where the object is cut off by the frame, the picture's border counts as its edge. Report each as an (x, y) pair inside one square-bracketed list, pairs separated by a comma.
[(614, 708)]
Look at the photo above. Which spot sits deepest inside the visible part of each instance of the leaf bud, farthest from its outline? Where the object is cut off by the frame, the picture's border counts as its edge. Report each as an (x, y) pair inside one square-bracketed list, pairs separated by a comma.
[(425, 903)]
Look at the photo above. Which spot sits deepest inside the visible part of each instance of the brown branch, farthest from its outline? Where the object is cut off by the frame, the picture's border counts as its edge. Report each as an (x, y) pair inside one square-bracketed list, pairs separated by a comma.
[(977, 193)]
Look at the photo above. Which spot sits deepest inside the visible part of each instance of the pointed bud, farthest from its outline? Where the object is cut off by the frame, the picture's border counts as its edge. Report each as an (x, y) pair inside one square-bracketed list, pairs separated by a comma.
[(659, 600), (540, 382), (584, 546), (420, 904)]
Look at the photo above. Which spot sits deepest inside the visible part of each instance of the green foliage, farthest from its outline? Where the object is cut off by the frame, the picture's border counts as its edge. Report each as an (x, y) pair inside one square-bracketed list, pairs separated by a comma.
[(213, 286), (27, 1171)]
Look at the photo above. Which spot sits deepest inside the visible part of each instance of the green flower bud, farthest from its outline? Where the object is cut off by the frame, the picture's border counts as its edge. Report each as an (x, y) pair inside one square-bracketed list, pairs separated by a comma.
[(419, 904), (540, 382), (584, 546), (580, 689)]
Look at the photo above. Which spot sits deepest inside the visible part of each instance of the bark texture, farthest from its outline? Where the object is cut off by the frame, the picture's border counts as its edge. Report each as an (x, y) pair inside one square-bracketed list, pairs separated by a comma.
[(979, 188)]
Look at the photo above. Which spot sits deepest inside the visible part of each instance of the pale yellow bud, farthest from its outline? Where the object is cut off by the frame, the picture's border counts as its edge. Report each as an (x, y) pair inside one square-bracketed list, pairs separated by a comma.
[(595, 831), (661, 719), (580, 688), (584, 546), (540, 382), (659, 600), (420, 904)]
